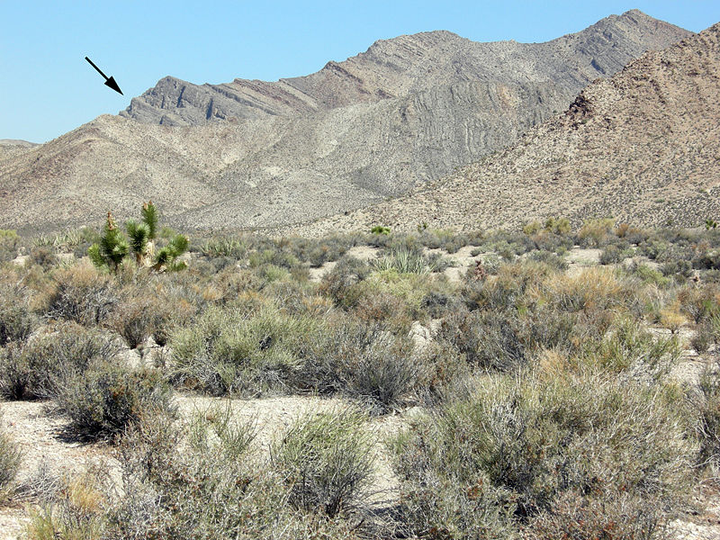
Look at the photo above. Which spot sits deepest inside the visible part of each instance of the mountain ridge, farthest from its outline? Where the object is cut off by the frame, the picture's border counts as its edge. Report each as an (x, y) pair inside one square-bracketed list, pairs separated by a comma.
[(408, 63), (642, 147)]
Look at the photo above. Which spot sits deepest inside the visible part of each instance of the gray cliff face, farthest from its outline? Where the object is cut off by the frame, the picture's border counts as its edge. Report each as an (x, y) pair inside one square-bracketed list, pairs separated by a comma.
[(406, 112)]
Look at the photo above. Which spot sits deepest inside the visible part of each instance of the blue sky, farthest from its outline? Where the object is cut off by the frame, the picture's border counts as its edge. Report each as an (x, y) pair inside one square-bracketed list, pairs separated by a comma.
[(47, 88)]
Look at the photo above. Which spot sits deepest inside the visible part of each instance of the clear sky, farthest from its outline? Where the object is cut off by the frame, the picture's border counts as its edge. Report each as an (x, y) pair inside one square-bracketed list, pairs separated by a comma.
[(47, 88)]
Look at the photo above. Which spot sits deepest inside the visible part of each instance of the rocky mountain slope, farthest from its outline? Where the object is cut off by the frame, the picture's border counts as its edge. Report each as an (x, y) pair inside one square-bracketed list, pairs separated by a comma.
[(410, 64), (643, 147), (14, 147), (406, 112)]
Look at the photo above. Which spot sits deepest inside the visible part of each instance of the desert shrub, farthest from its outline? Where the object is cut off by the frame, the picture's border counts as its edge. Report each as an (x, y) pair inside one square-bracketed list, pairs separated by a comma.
[(700, 303), (274, 256), (43, 256), (339, 283), (202, 481), (647, 275), (704, 337), (677, 268), (708, 428), (517, 452), (555, 225), (43, 365), (107, 398), (508, 288), (10, 459), (364, 362), (317, 252), (144, 313), (227, 351), (16, 319), (505, 339), (487, 339), (553, 260), (552, 242), (81, 294), (438, 303), (611, 255), (75, 510), (326, 462), (628, 347), (595, 232), (593, 289)]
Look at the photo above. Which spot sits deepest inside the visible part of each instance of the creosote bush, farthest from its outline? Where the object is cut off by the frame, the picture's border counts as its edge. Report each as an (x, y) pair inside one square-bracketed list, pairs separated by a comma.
[(81, 294), (42, 367)]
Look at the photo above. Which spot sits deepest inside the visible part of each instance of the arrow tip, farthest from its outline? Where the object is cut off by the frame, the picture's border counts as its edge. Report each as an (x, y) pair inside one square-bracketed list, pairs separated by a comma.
[(112, 84)]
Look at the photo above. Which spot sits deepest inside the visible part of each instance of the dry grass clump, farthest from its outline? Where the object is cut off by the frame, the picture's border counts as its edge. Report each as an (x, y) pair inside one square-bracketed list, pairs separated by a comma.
[(541, 456)]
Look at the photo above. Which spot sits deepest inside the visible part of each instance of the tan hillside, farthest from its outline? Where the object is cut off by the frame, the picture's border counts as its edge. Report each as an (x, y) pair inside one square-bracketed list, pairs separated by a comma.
[(443, 102), (643, 147)]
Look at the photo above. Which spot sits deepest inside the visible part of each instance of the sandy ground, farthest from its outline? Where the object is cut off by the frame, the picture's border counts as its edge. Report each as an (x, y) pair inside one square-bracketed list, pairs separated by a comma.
[(42, 441)]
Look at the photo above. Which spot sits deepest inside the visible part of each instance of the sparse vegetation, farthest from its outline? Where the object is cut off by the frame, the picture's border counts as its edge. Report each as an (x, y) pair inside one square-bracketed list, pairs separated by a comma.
[(543, 400)]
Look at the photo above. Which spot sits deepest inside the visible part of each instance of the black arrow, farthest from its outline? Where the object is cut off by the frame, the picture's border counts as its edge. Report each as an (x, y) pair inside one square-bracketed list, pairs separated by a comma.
[(109, 81)]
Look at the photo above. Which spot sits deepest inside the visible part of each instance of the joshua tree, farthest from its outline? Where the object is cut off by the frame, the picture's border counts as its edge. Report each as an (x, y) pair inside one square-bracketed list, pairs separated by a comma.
[(114, 246), (112, 249)]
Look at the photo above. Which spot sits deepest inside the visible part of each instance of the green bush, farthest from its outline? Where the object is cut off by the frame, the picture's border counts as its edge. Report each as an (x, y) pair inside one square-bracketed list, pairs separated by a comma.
[(326, 462), (227, 351), (340, 283), (104, 401), (515, 453), (16, 320)]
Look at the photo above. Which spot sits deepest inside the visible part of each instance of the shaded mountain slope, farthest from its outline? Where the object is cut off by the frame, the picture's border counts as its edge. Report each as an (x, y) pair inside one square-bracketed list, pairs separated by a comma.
[(643, 147)]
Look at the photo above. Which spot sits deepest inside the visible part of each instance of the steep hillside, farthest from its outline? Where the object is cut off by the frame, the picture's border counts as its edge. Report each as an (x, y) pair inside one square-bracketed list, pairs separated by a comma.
[(298, 167), (643, 147)]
